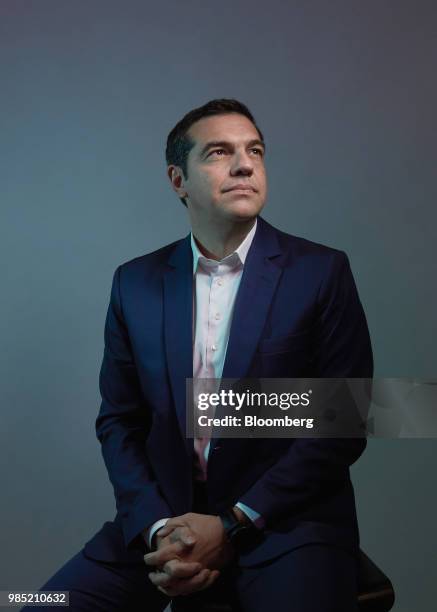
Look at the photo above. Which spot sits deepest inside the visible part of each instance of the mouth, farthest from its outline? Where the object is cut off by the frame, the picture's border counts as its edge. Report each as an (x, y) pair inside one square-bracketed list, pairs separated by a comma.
[(242, 189)]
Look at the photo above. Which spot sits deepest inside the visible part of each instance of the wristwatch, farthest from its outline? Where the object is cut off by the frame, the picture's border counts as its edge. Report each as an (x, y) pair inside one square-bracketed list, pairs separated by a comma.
[(241, 536)]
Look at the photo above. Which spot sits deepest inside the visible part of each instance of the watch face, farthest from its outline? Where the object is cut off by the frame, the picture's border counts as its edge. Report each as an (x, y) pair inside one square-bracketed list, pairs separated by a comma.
[(244, 537), (240, 535)]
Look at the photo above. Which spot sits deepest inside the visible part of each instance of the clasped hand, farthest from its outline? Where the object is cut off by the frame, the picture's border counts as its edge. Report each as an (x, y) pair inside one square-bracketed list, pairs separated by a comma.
[(191, 550)]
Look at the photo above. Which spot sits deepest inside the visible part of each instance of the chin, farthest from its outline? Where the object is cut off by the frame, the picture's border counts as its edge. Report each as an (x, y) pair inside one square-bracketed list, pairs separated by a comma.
[(244, 212)]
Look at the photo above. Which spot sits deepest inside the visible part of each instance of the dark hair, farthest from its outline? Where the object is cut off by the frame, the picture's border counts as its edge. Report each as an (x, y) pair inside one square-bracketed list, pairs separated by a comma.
[(179, 144)]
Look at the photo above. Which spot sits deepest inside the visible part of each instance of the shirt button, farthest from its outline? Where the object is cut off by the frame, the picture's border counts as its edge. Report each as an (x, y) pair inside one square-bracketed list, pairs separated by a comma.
[(219, 282), (214, 347), (217, 316)]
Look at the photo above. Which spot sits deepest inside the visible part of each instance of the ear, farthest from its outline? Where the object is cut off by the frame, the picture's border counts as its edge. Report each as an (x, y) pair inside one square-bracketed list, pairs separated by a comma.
[(177, 180)]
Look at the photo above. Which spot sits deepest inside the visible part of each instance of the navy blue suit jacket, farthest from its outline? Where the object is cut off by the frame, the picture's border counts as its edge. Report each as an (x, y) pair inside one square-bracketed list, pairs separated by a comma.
[(297, 314)]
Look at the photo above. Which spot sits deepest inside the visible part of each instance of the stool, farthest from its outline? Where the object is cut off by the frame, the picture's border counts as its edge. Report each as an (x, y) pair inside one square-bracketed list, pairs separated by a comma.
[(375, 593)]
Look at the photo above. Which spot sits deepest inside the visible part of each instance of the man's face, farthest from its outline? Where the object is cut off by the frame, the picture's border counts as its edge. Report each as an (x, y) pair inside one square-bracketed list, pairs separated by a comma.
[(226, 172)]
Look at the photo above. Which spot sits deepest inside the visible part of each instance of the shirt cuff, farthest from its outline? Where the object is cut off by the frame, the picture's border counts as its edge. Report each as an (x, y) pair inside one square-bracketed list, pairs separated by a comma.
[(254, 516), (153, 529)]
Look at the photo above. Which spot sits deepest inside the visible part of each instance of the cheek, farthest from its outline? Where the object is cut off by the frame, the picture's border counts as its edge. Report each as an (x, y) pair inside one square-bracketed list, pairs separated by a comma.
[(262, 177), (213, 182), (201, 188)]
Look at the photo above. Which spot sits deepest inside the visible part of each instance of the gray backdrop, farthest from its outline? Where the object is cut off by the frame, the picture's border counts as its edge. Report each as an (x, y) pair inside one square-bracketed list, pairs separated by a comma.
[(345, 93)]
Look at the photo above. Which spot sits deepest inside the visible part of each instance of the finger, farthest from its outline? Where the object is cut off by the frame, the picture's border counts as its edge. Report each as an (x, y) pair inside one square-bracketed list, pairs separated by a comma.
[(182, 534), (164, 580), (172, 524), (210, 580), (184, 587), (196, 583), (164, 554), (181, 569), (160, 579)]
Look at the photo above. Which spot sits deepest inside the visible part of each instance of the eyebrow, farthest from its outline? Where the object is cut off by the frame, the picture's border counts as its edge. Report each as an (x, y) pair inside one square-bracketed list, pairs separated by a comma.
[(226, 144)]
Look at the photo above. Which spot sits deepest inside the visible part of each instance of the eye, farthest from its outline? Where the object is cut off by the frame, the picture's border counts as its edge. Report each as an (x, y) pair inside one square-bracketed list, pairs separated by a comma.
[(218, 151), (259, 151)]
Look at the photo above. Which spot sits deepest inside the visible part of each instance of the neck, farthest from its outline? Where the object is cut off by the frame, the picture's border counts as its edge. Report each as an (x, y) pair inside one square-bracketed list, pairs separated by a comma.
[(216, 242)]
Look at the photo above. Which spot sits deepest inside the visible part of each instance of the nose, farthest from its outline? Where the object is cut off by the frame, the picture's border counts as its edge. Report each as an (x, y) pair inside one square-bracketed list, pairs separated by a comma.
[(242, 164)]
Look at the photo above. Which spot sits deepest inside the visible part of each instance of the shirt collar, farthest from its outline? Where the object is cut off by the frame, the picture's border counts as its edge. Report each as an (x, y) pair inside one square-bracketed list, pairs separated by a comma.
[(232, 260)]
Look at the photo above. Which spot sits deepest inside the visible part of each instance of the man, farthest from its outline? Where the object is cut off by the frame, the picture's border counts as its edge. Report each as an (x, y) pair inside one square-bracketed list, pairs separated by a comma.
[(236, 298)]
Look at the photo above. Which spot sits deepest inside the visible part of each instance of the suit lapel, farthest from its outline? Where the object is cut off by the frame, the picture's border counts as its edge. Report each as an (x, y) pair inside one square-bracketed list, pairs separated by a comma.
[(261, 274), (178, 322), (257, 287)]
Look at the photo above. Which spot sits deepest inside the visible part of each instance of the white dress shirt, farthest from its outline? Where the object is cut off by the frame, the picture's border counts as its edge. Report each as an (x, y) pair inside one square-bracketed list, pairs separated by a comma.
[(215, 288)]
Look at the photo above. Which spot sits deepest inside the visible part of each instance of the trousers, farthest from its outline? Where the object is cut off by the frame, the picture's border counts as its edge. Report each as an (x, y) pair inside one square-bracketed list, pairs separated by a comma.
[(311, 578)]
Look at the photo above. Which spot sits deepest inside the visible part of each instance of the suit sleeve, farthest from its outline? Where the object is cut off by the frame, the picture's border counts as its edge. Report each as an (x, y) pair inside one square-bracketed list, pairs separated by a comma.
[(311, 467), (122, 427)]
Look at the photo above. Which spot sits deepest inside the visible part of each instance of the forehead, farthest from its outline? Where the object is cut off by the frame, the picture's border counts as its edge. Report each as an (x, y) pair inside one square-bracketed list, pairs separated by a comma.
[(232, 127)]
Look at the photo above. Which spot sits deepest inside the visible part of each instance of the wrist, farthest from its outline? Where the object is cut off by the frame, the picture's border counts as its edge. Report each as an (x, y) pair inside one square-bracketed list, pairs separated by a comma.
[(239, 529)]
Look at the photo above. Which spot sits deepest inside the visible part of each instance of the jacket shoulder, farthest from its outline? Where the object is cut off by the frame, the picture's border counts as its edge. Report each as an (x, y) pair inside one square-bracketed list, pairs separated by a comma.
[(150, 261), (304, 247)]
